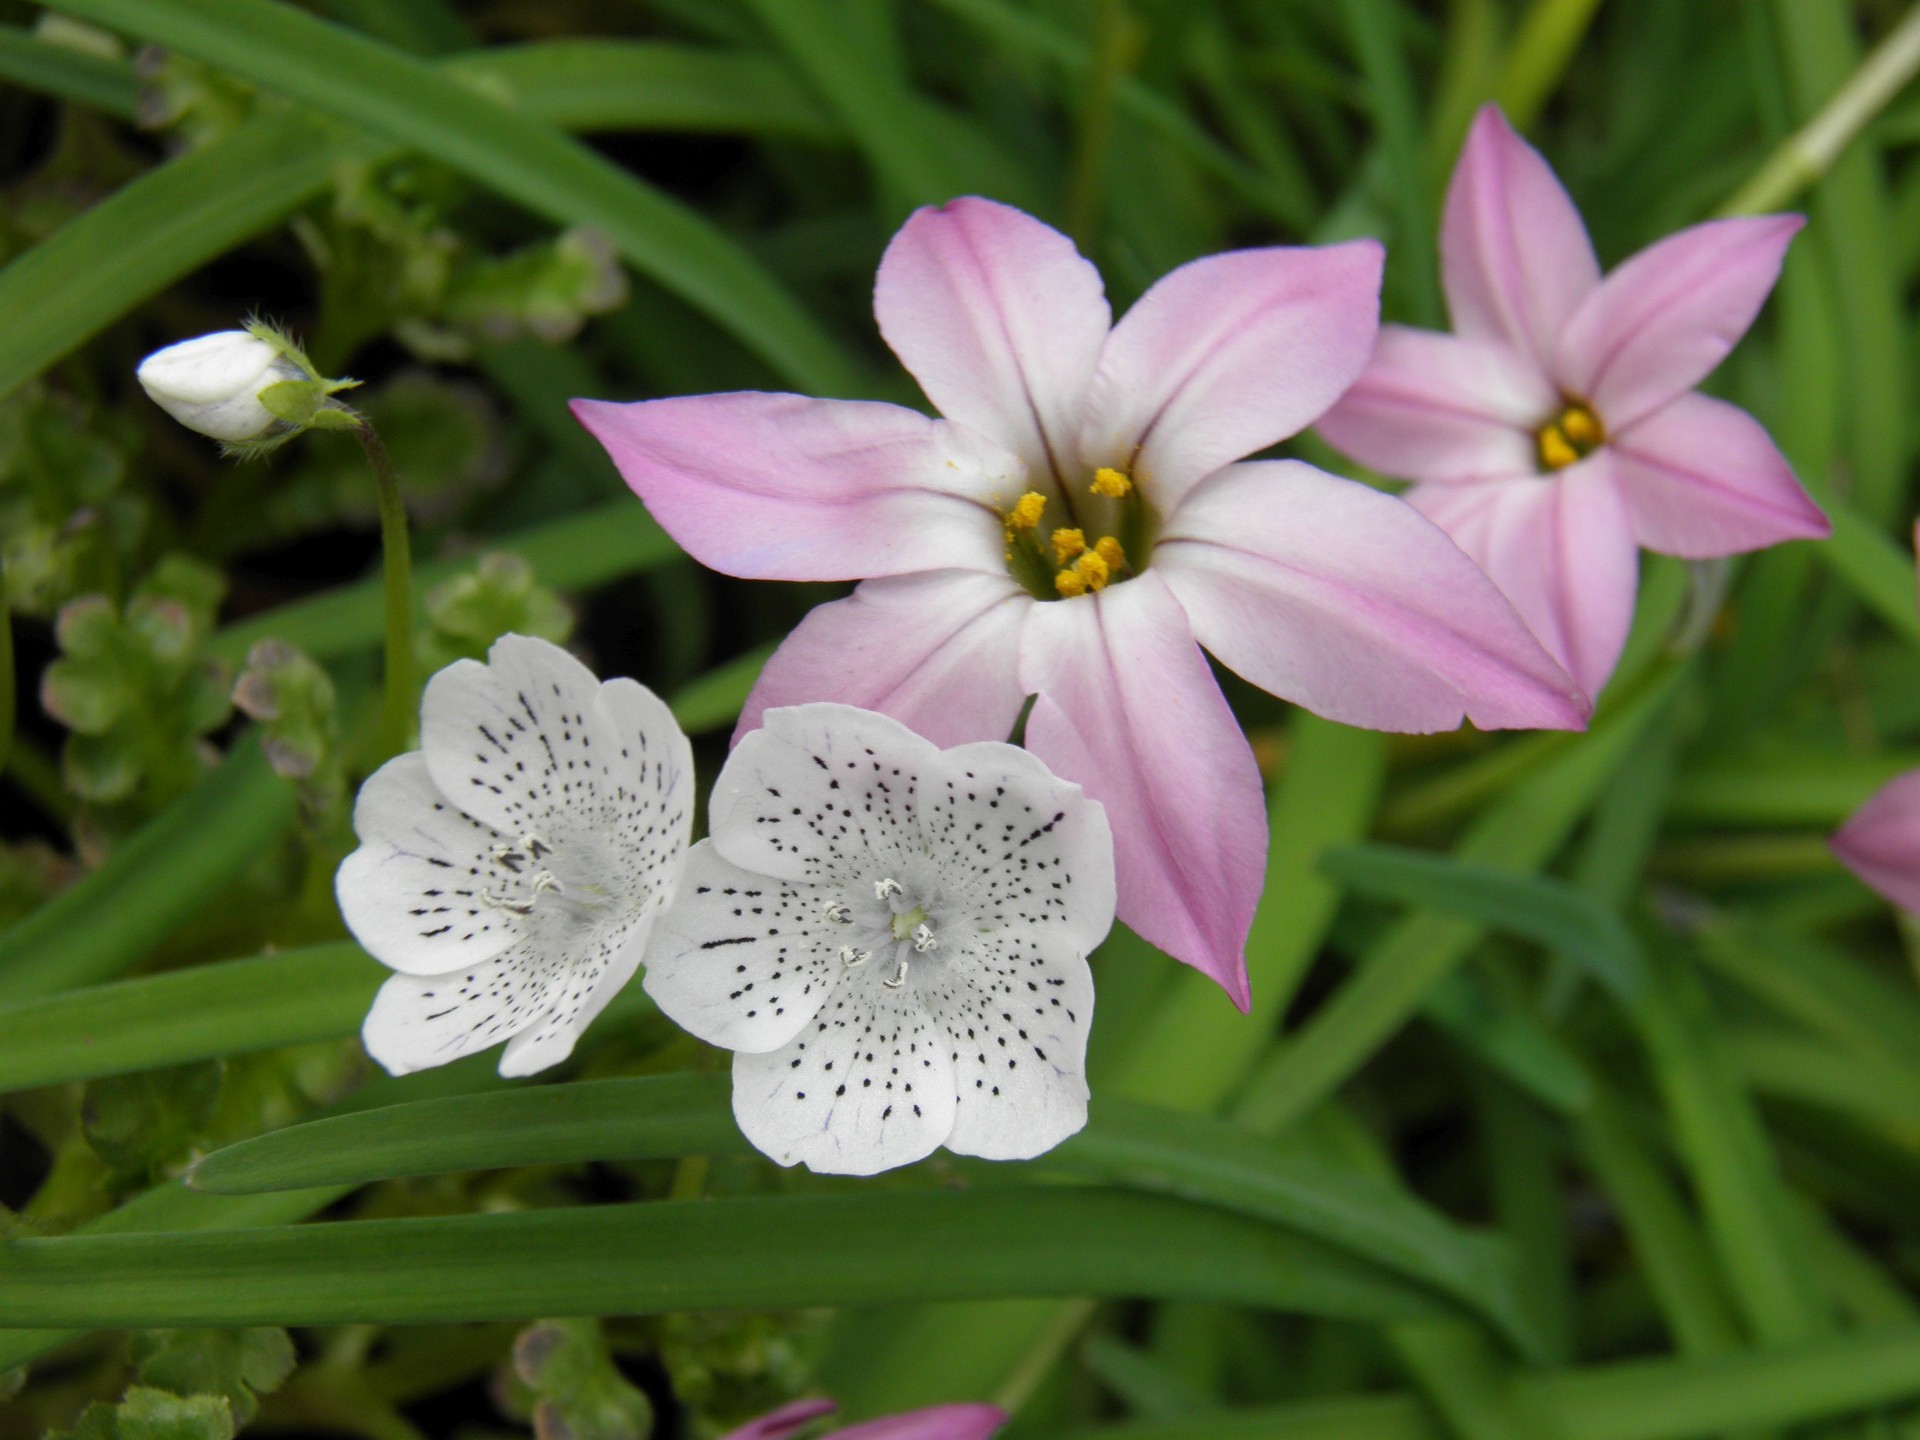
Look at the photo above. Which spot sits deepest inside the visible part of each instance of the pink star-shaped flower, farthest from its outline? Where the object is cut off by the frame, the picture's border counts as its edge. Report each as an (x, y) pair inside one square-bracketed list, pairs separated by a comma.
[(1557, 429), (942, 1422), (1881, 840), (1075, 524)]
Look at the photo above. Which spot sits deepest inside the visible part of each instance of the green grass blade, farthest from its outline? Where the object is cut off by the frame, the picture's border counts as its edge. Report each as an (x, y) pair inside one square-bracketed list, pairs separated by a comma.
[(1778, 786), (107, 85), (647, 1117), (229, 1008), (383, 90), (153, 883), (1198, 1158), (715, 698), (867, 1248), (1533, 907), (1521, 831), (1876, 569)]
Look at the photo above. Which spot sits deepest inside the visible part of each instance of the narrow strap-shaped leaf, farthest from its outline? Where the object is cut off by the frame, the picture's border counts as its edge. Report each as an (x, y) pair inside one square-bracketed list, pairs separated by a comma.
[(672, 1115), (318, 993), (153, 883), (95, 80), (1521, 832), (408, 101), (1663, 1399), (199, 204), (868, 1248), (1533, 907)]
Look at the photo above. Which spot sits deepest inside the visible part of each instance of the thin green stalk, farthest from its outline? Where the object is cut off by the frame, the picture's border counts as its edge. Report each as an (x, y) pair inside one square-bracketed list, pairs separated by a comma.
[(396, 565), (7, 682), (1807, 154), (1540, 54), (1118, 39)]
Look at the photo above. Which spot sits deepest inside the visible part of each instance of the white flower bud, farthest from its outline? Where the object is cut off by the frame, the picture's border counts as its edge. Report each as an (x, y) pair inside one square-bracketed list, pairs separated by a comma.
[(212, 384)]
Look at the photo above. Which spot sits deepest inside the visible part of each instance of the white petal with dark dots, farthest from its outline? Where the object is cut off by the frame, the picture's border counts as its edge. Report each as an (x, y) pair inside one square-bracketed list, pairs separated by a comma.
[(867, 1085), (892, 939), (415, 891), (514, 868), (742, 960)]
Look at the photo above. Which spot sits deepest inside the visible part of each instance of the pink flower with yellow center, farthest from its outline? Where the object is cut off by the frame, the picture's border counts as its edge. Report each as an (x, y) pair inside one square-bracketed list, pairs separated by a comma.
[(1075, 529), (1557, 430), (1881, 841), (942, 1422)]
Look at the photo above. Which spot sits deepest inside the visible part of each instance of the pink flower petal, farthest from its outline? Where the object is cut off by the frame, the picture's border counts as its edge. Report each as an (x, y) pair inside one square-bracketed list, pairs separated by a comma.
[(1703, 478), (780, 487), (779, 1424), (1514, 256), (1226, 355), (1436, 407), (942, 1422), (938, 652), (1664, 319), (1128, 710), (1881, 843), (999, 319), (1345, 600), (1561, 548)]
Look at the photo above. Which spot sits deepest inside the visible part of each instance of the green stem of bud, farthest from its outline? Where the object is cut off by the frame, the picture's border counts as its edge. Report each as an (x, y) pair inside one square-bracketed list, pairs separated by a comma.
[(396, 561), (7, 699)]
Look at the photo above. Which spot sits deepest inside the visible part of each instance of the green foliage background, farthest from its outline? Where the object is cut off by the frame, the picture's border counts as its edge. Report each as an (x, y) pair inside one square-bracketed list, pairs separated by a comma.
[(1581, 1094)]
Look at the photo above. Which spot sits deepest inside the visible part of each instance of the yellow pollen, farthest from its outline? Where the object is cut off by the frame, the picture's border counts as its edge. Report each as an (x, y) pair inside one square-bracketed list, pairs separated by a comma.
[(1108, 549), (1569, 437), (1069, 584), (1067, 544), (1111, 483), (1093, 570), (1026, 511)]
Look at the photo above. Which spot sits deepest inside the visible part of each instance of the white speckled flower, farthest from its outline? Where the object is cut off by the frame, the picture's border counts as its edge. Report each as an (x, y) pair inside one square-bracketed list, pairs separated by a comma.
[(513, 867), (893, 940)]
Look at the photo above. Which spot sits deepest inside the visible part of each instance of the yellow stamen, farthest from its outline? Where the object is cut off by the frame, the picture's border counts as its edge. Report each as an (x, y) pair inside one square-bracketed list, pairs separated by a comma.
[(1581, 426), (1111, 483), (1556, 451), (1026, 511), (1069, 584), (1108, 549), (1569, 437), (1067, 544), (1093, 570)]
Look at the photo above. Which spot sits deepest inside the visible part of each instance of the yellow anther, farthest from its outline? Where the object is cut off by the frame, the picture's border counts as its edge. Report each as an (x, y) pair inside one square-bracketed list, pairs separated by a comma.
[(1111, 483), (1569, 437), (1108, 549), (1026, 511), (1069, 584), (1556, 451), (1093, 570), (1067, 544), (1581, 426)]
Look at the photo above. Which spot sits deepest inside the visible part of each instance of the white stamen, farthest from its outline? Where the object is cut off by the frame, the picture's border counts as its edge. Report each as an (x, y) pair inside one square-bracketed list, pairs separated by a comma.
[(887, 889), (850, 957), (500, 902), (507, 855), (923, 939), (534, 846), (899, 976), (547, 880), (837, 913)]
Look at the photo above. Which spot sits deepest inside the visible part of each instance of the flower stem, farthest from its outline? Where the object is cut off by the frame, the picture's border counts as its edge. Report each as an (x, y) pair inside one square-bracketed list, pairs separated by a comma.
[(1119, 38), (7, 699), (396, 563), (1804, 156)]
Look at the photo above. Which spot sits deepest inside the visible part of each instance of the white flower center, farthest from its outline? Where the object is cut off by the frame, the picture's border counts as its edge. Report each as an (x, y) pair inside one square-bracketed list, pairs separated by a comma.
[(531, 876), (899, 924)]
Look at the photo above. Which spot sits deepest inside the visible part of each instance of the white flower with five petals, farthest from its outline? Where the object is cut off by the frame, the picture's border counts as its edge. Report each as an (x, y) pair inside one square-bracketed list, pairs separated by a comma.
[(513, 867), (893, 940)]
